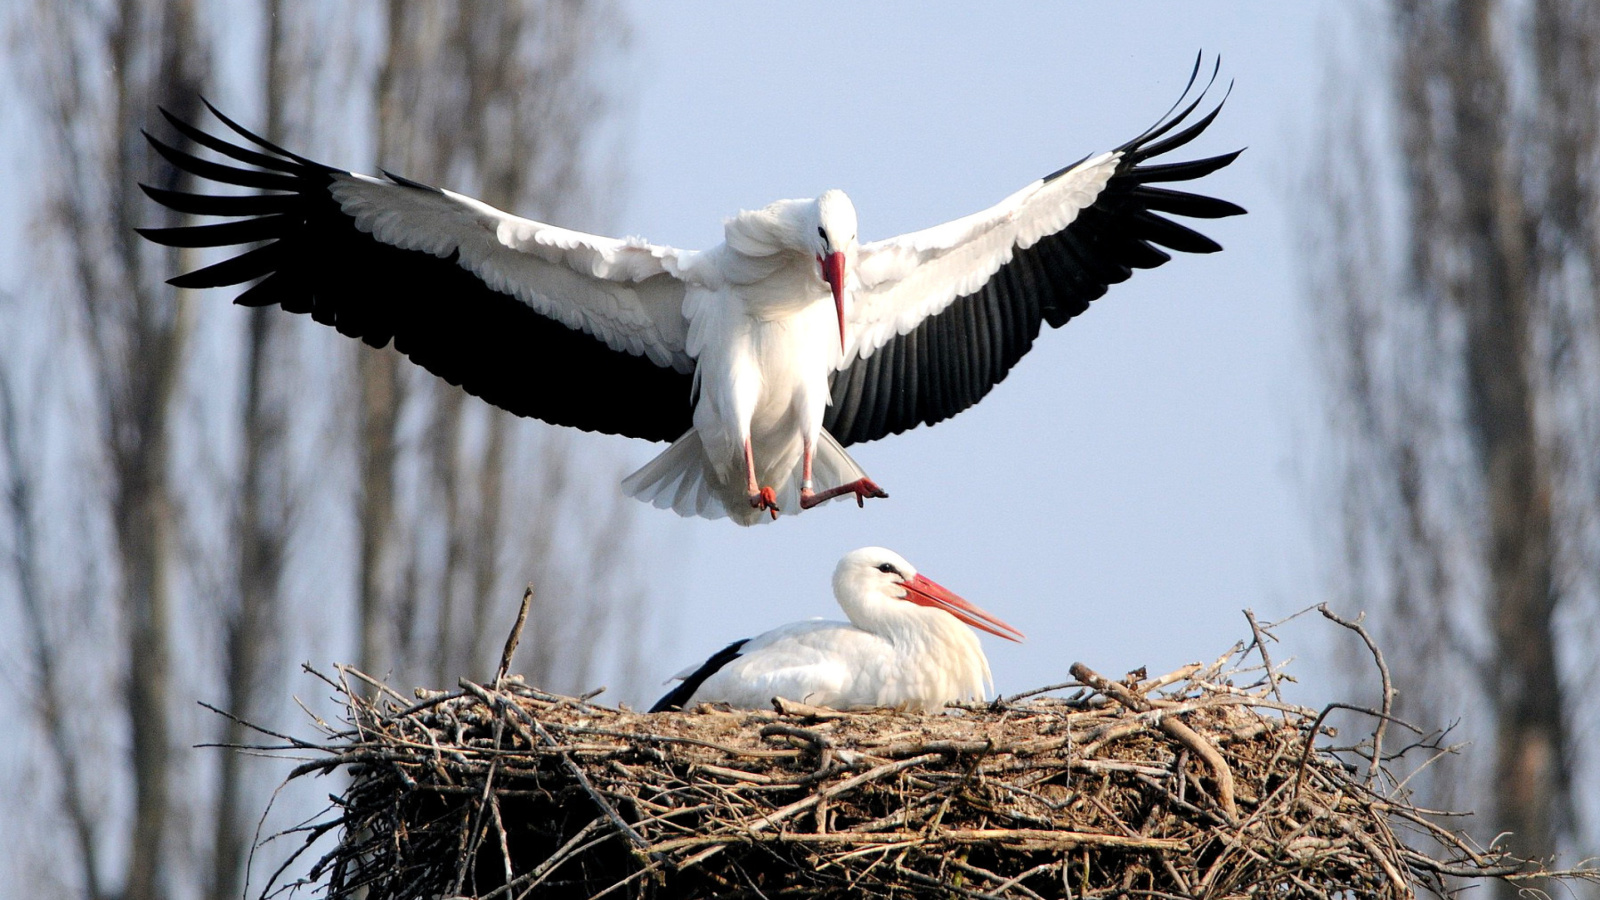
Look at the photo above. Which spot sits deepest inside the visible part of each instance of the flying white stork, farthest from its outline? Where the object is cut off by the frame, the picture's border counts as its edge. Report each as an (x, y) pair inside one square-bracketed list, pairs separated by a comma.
[(906, 646), (760, 358)]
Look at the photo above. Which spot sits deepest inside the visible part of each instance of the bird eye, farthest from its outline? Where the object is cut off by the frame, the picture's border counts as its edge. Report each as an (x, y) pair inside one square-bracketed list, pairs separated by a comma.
[(888, 567), (821, 233)]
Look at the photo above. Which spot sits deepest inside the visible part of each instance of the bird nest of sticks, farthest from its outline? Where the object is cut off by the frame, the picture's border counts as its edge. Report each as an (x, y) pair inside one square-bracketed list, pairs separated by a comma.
[(1199, 783)]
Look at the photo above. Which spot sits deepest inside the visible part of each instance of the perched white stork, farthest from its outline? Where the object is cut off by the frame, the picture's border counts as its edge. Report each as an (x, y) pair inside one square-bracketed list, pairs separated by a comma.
[(760, 358), (906, 646)]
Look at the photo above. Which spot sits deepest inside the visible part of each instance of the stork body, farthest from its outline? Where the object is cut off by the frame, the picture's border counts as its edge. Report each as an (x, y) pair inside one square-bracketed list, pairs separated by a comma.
[(759, 359), (908, 644), (765, 334)]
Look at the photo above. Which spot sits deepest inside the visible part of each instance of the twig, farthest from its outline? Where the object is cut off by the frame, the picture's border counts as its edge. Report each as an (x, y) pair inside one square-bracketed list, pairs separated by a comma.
[(1060, 686), (577, 772), (1170, 724), (1383, 673), (821, 745), (789, 707), (1260, 644), (514, 638)]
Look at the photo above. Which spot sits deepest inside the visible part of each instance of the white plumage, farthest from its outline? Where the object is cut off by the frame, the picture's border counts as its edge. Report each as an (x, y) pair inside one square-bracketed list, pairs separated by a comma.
[(907, 645), (761, 358)]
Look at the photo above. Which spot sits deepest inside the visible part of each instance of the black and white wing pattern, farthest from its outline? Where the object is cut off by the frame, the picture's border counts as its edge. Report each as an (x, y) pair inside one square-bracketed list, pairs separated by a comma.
[(941, 315), (571, 328)]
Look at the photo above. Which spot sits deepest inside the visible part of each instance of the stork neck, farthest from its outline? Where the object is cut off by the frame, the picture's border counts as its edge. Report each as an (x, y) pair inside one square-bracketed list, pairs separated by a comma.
[(788, 289), (926, 639)]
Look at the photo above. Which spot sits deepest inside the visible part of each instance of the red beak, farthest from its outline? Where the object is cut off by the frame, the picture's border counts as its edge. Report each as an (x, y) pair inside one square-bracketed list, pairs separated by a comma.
[(833, 274), (926, 592)]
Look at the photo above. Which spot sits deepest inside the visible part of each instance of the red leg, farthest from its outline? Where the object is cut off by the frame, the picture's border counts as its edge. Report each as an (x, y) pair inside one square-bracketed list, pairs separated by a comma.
[(863, 488), (760, 497)]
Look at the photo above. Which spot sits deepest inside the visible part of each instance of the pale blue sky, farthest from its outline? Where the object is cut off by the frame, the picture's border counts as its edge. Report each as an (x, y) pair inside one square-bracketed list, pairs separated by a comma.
[(1136, 480)]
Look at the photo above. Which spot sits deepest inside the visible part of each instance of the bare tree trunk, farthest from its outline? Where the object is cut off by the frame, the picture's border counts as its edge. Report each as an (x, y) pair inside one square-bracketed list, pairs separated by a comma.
[(43, 650), (380, 392), (1497, 299), (251, 630), (486, 535), (136, 390), (1462, 431), (499, 94), (491, 99), (446, 467), (97, 78), (261, 533), (381, 389)]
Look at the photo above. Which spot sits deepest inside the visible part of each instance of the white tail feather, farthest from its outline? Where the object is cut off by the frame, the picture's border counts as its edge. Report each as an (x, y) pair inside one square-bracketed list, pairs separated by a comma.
[(683, 480)]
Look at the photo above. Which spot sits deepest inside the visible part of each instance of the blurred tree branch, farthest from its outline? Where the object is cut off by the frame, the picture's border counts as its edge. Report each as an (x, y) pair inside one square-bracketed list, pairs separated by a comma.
[(503, 96), (495, 100), (1462, 377)]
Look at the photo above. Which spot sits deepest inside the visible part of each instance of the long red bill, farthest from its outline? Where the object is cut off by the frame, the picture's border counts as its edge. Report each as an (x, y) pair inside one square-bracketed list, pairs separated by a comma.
[(927, 592), (833, 274)]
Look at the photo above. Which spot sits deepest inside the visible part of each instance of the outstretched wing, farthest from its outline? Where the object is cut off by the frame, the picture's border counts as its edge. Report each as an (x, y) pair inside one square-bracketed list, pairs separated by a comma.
[(941, 315), (567, 327)]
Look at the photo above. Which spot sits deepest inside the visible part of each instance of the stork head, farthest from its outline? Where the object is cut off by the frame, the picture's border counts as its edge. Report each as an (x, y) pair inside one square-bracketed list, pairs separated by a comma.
[(872, 583), (834, 243)]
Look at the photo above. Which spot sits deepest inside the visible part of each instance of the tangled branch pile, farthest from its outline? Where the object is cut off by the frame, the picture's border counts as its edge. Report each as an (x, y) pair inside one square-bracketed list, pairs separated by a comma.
[(1184, 785)]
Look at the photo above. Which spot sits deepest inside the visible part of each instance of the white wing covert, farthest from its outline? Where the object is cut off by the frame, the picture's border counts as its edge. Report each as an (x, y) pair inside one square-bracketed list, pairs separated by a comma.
[(624, 292)]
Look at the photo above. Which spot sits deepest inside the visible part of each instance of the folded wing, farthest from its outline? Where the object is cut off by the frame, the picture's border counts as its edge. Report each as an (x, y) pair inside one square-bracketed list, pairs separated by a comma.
[(571, 328), (941, 315)]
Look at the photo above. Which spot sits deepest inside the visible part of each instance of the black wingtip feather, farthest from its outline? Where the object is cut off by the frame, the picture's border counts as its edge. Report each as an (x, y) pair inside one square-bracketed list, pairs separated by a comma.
[(224, 234), (247, 266), (263, 143), (224, 205), (1170, 234), (1168, 144), (1183, 203), (1173, 117), (1188, 170), (678, 696), (407, 182), (204, 168), (1139, 253), (274, 289), (232, 151)]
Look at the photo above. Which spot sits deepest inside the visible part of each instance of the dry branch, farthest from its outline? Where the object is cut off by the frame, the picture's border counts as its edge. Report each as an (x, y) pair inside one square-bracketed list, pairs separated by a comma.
[(1201, 783)]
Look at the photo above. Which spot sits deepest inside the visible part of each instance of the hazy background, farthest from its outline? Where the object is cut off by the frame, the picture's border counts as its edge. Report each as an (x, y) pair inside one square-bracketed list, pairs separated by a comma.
[(1384, 393)]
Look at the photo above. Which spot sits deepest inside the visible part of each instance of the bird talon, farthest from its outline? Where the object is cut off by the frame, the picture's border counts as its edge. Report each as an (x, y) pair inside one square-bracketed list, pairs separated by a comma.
[(866, 488), (766, 499)]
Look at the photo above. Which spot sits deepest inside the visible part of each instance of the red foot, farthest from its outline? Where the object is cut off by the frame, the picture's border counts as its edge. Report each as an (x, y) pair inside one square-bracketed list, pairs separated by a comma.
[(863, 488), (766, 499)]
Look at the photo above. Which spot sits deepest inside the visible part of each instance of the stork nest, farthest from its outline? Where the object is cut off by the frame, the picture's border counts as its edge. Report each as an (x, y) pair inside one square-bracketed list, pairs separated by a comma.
[(1200, 783)]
